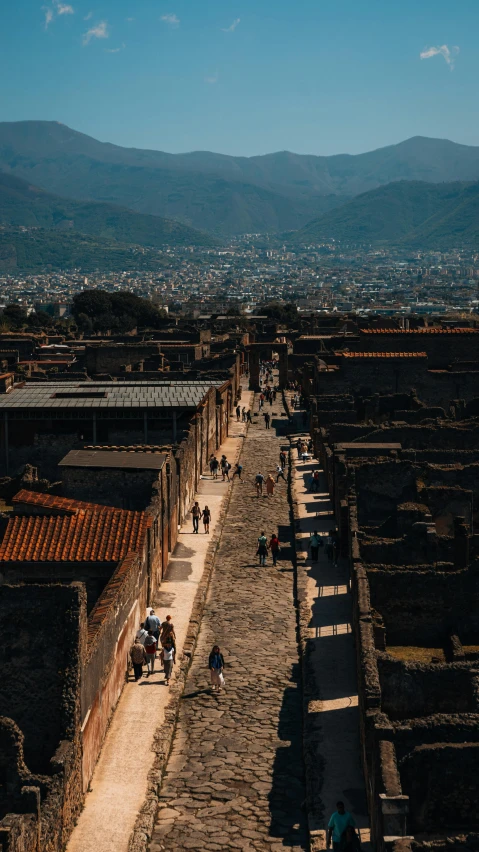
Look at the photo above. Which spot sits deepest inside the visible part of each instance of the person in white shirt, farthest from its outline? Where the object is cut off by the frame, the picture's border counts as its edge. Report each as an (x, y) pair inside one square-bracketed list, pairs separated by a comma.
[(168, 659), (141, 634), (279, 473)]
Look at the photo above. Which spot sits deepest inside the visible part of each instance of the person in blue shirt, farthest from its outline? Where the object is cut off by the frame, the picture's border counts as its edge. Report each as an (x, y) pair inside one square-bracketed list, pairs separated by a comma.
[(338, 822)]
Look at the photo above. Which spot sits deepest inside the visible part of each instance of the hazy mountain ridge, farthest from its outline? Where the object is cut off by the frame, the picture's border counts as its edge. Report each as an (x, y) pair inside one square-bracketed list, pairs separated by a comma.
[(23, 204), (217, 192), (411, 213)]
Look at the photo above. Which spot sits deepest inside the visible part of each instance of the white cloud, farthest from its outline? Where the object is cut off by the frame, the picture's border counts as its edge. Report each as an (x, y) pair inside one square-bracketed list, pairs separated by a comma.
[(232, 26), (48, 16), (64, 9), (98, 31), (212, 79), (57, 8), (170, 19), (88, 16), (449, 55), (115, 49)]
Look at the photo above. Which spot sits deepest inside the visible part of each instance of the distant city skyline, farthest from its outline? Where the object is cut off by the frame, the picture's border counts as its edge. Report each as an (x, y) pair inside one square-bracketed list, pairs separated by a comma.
[(314, 77)]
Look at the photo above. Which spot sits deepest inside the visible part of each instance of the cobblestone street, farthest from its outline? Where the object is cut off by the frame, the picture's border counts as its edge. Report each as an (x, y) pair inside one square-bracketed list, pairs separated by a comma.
[(235, 776)]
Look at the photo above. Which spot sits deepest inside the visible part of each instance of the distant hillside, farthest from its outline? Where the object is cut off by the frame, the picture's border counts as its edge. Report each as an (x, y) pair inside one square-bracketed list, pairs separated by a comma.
[(42, 250), (407, 212), (222, 194), (22, 203)]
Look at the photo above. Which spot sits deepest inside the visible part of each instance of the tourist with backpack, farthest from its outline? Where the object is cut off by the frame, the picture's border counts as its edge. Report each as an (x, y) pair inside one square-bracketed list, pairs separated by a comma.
[(168, 659), (138, 657), (196, 512)]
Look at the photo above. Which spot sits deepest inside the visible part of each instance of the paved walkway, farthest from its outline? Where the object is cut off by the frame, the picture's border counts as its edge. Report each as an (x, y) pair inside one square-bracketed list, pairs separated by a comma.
[(333, 708), (119, 783), (234, 780)]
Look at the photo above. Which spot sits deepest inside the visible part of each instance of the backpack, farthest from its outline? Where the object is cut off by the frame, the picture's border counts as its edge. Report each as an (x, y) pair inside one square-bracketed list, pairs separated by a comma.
[(228, 466)]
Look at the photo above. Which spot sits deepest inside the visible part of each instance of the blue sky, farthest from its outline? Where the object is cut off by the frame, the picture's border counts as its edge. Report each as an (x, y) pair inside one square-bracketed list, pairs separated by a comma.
[(244, 76)]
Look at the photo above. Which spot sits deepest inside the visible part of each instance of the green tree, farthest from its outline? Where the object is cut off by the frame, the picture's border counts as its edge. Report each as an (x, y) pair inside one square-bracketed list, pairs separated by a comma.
[(15, 316)]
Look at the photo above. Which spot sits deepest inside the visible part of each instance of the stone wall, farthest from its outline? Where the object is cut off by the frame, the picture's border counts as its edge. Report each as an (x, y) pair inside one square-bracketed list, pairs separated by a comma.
[(40, 748)]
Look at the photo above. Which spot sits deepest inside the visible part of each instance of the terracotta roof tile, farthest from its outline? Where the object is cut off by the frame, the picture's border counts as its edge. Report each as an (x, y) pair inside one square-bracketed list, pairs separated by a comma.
[(383, 354), (84, 537), (419, 330), (60, 504)]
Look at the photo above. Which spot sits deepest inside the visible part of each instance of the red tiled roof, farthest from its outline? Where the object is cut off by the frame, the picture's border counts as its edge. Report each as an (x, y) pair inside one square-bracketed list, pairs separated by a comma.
[(419, 330), (87, 536), (384, 354), (60, 504)]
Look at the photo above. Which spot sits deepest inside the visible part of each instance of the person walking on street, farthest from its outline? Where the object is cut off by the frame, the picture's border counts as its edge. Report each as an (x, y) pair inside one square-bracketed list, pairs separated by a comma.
[(225, 468), (138, 657), (280, 473), (243, 413), (196, 512), (299, 445), (262, 551), (168, 631), (315, 481), (248, 416), (274, 547), (267, 419), (315, 543), (338, 823), (215, 465), (238, 470), (216, 666), (270, 483), (206, 519), (141, 634), (238, 413), (150, 651), (212, 464), (259, 479), (282, 459), (153, 623), (168, 659)]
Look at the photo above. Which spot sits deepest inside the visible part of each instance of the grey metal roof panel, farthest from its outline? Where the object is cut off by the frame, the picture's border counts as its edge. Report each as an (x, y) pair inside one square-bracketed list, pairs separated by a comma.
[(114, 459)]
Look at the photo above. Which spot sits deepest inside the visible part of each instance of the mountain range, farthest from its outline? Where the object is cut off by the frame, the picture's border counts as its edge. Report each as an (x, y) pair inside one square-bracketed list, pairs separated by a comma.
[(23, 204), (412, 213), (221, 194)]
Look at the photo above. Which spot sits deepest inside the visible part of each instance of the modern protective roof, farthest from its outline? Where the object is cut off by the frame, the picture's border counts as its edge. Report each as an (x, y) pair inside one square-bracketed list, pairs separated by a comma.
[(107, 395), (113, 459)]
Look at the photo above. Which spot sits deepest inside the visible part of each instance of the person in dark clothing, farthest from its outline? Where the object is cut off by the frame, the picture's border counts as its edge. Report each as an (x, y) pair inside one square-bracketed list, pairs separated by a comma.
[(216, 665), (350, 841), (282, 459), (138, 657), (274, 547), (267, 418)]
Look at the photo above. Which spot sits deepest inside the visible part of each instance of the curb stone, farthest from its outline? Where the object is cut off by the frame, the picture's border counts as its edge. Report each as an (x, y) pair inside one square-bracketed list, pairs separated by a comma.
[(312, 757), (163, 739)]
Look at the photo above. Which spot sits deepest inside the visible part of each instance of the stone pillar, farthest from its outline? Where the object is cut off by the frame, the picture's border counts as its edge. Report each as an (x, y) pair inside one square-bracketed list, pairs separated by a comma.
[(5, 436), (461, 543), (254, 370), (394, 811), (283, 367)]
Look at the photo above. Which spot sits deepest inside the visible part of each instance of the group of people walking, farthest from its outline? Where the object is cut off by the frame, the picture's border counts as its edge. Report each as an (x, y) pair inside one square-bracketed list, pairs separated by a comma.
[(153, 639), (243, 414), (273, 545)]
